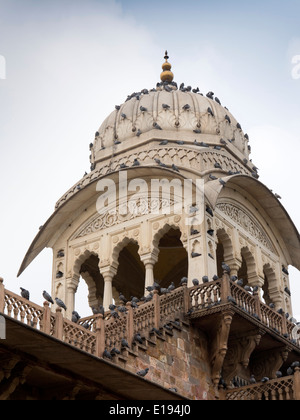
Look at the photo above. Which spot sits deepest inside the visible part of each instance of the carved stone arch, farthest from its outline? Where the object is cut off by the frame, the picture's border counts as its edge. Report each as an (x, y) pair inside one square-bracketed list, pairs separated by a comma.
[(81, 259), (160, 233), (86, 265), (171, 254), (248, 270), (270, 288), (119, 247), (129, 268), (224, 251)]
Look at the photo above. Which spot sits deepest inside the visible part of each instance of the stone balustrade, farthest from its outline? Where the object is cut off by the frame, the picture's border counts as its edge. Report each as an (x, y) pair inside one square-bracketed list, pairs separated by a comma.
[(282, 389), (107, 332)]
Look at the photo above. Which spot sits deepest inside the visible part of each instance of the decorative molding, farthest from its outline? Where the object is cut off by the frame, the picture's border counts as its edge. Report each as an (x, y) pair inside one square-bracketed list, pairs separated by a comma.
[(247, 222), (189, 158), (109, 219)]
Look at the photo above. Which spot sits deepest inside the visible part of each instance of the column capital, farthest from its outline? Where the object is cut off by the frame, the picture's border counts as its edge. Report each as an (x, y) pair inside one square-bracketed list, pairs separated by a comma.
[(149, 259)]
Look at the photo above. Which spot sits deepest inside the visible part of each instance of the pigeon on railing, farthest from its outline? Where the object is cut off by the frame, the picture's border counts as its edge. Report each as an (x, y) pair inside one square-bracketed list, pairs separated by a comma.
[(60, 303), (25, 293), (75, 317), (47, 297)]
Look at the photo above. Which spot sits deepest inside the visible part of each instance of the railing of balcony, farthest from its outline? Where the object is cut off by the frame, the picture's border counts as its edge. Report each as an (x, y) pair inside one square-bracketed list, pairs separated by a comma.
[(95, 333), (282, 389)]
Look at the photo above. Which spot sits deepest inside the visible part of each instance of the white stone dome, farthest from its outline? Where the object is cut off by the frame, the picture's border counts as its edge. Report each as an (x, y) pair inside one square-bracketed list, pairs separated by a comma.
[(181, 111)]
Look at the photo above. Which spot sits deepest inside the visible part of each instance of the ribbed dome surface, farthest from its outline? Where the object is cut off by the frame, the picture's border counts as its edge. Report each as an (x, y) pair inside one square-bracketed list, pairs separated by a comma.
[(173, 109)]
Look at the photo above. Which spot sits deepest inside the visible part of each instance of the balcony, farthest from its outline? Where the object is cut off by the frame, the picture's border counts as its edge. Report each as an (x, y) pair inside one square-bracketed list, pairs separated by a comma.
[(221, 309)]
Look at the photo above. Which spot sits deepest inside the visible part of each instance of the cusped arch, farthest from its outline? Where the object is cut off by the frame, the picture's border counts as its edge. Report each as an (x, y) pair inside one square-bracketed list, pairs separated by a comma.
[(81, 259)]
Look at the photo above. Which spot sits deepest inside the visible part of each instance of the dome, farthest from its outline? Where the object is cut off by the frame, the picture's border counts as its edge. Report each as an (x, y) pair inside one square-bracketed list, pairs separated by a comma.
[(178, 113)]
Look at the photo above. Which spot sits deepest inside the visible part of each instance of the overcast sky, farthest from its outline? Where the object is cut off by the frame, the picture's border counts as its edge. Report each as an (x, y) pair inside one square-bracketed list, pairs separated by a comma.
[(67, 63)]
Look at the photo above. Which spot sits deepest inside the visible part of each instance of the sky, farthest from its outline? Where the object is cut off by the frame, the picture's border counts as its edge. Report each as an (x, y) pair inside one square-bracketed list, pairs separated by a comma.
[(65, 64)]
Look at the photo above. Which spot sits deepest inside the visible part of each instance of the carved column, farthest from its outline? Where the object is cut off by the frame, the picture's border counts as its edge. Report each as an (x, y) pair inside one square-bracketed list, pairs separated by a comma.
[(108, 275), (149, 261), (72, 285)]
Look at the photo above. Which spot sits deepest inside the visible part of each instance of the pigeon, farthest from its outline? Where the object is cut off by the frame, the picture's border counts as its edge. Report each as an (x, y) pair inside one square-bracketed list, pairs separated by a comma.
[(122, 298), (136, 163), (195, 282), (210, 95), (195, 254), (197, 131), (171, 287), (222, 141), (225, 267), (117, 107), (160, 163), (143, 372), (47, 297), (212, 177), (60, 303), (284, 270), (227, 118), (205, 279), (165, 106), (194, 232), (238, 126), (164, 290), (138, 338), (218, 100), (86, 325), (180, 142), (240, 282), (123, 116), (183, 281), (215, 277), (278, 374), (59, 275), (107, 354), (252, 379), (295, 364), (114, 351), (217, 165), (138, 133), (112, 307), (124, 343), (186, 107), (289, 371), (287, 290), (164, 143), (156, 331), (143, 109), (25, 293), (210, 232), (209, 110), (175, 168), (222, 182), (155, 125), (123, 166), (265, 379), (75, 317)]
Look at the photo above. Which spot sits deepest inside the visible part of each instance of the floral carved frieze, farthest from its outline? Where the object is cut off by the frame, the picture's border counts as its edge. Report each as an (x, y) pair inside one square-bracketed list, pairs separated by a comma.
[(245, 221), (144, 206)]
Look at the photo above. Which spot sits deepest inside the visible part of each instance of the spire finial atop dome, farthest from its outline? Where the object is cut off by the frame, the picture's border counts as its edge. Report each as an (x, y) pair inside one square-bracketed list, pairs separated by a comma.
[(166, 75)]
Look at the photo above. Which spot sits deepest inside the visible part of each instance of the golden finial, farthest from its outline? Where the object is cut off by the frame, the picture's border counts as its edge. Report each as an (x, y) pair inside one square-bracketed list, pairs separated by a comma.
[(166, 75)]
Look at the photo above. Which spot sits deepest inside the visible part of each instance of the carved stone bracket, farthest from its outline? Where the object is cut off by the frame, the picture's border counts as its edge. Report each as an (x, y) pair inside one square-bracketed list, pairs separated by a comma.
[(269, 362), (238, 354), (219, 345)]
